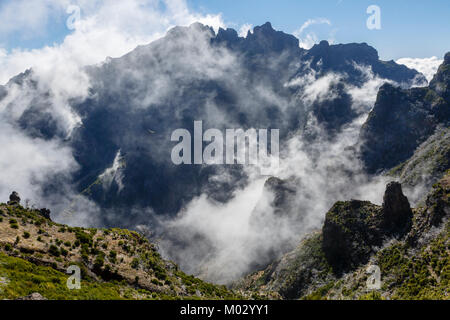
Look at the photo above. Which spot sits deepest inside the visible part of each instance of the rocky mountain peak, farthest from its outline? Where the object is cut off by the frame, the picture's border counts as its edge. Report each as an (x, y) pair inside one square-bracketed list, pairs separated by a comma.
[(266, 28), (268, 39), (227, 35)]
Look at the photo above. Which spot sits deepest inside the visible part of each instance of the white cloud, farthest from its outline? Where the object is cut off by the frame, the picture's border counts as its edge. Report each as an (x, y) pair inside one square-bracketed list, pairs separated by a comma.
[(244, 29), (314, 88), (309, 39), (106, 28), (427, 66), (364, 96), (311, 22), (25, 163)]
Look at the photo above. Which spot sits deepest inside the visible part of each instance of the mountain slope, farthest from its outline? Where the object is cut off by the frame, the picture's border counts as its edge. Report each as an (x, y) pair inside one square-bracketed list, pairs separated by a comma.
[(413, 254), (35, 253), (428, 163), (404, 118)]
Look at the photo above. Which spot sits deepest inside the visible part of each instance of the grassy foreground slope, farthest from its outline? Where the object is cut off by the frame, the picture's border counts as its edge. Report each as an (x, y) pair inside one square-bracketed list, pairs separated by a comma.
[(35, 253)]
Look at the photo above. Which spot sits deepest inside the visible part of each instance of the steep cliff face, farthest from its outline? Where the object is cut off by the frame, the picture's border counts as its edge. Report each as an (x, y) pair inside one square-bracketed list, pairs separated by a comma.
[(440, 84), (402, 119), (410, 246)]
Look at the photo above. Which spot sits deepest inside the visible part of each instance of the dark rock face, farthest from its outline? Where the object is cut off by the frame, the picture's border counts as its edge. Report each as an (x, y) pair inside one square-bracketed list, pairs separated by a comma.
[(441, 85), (352, 229), (334, 113), (397, 213), (395, 127), (402, 119), (283, 192), (3, 92), (14, 198)]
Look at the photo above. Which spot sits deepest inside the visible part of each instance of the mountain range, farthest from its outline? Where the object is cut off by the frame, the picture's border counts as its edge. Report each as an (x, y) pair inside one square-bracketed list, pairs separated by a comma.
[(349, 124)]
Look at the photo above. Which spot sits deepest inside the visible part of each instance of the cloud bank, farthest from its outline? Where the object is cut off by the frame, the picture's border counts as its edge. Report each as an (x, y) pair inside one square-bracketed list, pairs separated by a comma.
[(427, 66)]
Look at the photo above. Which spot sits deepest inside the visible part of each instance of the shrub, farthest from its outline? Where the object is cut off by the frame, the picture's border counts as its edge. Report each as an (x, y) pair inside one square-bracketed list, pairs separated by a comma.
[(99, 261), (26, 235), (64, 252), (54, 251), (83, 237), (156, 282), (135, 263), (112, 256), (13, 223)]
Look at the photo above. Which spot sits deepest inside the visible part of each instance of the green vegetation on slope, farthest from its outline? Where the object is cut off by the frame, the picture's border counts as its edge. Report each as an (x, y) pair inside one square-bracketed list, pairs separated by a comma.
[(115, 263)]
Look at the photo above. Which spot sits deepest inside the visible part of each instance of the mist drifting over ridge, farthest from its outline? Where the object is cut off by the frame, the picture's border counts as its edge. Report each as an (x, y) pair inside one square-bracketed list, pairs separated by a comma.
[(211, 220)]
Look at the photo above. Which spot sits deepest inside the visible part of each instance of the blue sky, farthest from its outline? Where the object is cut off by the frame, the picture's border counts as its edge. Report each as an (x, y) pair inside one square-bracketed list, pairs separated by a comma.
[(409, 28)]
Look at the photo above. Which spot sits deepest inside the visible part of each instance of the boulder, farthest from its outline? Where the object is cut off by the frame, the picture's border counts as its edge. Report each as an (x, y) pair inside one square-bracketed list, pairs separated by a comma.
[(33, 296)]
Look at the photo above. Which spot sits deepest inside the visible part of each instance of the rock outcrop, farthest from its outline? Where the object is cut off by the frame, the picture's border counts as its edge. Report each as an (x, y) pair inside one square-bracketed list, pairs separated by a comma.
[(353, 229), (14, 198), (397, 214)]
